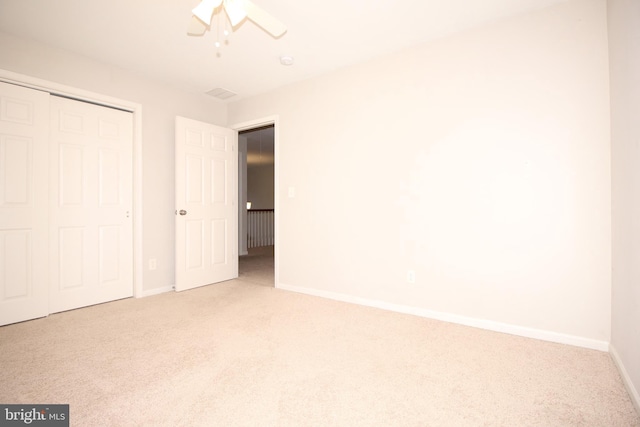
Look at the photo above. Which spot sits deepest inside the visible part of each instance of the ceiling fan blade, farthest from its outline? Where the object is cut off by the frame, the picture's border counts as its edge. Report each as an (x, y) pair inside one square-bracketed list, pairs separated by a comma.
[(263, 19), (205, 9), (235, 11), (196, 27)]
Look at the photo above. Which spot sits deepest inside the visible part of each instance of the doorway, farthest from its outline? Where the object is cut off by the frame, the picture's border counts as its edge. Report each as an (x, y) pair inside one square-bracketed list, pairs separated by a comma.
[(257, 240)]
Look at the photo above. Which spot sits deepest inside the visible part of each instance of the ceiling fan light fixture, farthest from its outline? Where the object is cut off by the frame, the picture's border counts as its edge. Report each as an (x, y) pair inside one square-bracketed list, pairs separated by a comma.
[(236, 11), (204, 11)]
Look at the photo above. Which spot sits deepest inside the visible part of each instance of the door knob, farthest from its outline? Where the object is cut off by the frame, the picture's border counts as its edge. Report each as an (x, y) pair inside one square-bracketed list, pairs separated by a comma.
[(183, 212)]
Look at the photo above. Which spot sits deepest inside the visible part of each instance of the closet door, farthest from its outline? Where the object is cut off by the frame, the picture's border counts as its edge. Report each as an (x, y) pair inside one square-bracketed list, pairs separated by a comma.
[(91, 228), (24, 136)]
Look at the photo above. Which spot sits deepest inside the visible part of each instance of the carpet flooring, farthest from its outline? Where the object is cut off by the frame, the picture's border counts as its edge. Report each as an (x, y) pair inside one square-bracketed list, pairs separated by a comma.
[(242, 353)]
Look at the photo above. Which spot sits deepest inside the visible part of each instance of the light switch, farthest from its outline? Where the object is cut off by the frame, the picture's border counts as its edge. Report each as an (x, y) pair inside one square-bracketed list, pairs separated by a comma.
[(292, 192)]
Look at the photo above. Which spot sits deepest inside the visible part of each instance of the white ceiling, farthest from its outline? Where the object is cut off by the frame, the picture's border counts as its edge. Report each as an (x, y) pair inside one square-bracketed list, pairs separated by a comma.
[(149, 37)]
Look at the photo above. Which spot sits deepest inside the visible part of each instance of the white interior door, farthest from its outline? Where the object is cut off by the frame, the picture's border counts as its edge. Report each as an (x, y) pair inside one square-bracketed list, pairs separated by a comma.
[(206, 204), (24, 135), (91, 228)]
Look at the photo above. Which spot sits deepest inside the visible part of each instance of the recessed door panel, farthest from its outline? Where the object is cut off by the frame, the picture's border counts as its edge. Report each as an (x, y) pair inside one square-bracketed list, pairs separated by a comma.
[(17, 110), (16, 162), (109, 179), (219, 142), (195, 177), (70, 122), (219, 242), (109, 130), (194, 137), (219, 181), (194, 244), (70, 176), (109, 254), (16, 256), (70, 257)]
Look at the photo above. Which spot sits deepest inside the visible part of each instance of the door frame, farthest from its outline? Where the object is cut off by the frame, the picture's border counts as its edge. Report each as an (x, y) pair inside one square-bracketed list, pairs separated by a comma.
[(255, 123), (107, 101)]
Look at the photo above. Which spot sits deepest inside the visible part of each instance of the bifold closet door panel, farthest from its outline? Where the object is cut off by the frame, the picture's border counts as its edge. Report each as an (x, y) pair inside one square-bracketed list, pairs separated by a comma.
[(24, 203), (91, 226)]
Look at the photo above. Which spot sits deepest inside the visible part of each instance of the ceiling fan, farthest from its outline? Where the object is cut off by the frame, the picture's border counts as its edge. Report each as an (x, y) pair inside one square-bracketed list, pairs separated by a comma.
[(237, 11)]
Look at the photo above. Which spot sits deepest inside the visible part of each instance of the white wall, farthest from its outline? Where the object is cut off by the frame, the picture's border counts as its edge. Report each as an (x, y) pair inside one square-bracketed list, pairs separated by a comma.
[(481, 161), (624, 54), (160, 105)]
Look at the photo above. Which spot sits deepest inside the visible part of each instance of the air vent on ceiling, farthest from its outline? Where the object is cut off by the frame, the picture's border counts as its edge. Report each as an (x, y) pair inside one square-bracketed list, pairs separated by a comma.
[(221, 93)]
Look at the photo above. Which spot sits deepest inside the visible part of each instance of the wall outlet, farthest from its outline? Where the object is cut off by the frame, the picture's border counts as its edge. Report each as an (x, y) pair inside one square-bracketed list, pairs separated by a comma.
[(153, 264), (411, 276)]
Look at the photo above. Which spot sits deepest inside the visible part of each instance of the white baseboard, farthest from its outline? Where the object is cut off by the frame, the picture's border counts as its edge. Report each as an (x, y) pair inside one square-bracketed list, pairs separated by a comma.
[(156, 291), (453, 318), (633, 391)]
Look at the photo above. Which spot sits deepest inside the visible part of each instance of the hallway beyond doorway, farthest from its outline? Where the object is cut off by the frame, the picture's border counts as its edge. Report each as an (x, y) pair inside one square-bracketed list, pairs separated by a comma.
[(258, 266)]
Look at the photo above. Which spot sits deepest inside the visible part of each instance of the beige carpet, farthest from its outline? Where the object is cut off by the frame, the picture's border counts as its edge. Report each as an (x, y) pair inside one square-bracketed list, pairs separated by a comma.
[(240, 353)]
